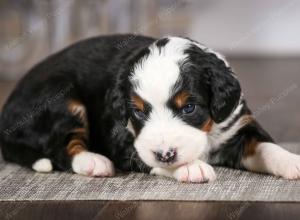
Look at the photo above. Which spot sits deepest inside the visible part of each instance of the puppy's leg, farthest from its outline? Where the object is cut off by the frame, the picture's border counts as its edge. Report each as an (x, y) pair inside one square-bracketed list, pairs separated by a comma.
[(85, 162), (67, 147), (195, 172), (75, 156), (82, 161), (270, 158)]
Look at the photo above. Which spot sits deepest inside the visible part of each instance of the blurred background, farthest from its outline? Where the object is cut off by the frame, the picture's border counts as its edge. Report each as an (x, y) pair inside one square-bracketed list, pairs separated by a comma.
[(260, 38)]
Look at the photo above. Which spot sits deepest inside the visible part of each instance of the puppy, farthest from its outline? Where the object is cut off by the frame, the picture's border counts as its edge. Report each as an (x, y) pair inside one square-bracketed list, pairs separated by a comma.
[(171, 107)]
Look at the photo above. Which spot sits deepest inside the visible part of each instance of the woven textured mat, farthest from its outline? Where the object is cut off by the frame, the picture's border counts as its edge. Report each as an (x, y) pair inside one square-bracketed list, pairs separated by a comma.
[(17, 183)]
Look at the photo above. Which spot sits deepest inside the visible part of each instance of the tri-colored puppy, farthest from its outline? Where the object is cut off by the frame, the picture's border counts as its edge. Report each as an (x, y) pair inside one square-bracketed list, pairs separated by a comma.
[(171, 107)]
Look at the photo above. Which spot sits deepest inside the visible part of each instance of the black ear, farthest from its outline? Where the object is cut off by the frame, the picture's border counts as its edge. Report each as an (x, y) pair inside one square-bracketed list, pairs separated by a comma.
[(225, 92)]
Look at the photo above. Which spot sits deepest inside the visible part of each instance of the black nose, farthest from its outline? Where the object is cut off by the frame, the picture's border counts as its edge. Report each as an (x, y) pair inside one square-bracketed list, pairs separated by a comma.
[(166, 157)]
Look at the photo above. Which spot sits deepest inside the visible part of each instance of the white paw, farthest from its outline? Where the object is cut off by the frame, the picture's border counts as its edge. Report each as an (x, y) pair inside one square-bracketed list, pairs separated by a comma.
[(195, 172), (91, 164), (42, 165), (289, 168)]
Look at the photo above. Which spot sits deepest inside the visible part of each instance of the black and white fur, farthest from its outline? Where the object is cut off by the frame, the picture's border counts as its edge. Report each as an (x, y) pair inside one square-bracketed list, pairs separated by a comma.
[(97, 105)]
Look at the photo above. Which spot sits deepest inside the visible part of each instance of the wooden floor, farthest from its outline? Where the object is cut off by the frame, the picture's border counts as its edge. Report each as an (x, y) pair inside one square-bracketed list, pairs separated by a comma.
[(86, 210), (271, 87)]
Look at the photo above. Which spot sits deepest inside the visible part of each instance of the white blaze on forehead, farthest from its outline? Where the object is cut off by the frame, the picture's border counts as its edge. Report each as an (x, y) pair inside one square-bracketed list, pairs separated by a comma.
[(158, 72)]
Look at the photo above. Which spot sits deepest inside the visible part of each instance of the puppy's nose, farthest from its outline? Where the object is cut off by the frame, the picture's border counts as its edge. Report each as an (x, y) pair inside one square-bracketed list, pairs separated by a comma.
[(166, 157)]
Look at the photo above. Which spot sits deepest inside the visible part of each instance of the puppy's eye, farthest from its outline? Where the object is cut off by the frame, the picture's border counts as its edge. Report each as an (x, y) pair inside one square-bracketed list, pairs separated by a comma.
[(188, 109), (139, 114)]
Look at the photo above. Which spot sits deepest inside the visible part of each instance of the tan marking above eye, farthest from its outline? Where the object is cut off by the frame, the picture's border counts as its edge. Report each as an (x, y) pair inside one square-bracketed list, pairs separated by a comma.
[(138, 102), (181, 99)]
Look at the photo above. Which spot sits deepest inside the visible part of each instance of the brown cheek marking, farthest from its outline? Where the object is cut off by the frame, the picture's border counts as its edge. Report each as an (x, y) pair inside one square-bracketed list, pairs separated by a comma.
[(78, 109), (139, 103), (181, 98), (250, 147), (207, 126)]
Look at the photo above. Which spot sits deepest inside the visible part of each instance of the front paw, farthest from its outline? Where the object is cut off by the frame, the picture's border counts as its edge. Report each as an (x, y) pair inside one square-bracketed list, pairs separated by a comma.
[(289, 167), (195, 172), (92, 164)]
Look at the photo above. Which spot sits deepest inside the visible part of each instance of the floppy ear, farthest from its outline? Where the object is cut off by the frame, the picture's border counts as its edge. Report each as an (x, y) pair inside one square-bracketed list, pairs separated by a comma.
[(225, 92)]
